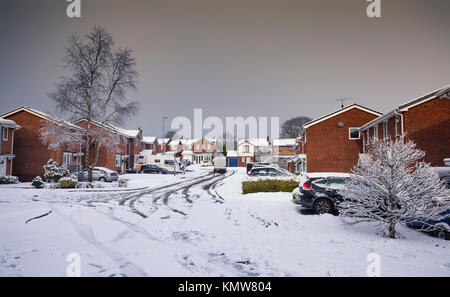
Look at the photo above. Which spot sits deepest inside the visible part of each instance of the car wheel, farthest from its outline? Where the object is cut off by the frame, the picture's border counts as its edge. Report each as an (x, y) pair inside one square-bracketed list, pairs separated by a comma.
[(322, 206), (442, 234), (102, 179)]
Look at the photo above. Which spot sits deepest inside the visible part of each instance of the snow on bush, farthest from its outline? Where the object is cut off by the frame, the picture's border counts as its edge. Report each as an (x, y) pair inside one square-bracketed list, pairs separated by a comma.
[(390, 185), (54, 172), (68, 182), (123, 182), (269, 185), (9, 179), (37, 182)]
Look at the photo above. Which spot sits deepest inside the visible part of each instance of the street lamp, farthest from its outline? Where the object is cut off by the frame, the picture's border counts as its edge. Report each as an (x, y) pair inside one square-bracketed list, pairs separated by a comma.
[(163, 136)]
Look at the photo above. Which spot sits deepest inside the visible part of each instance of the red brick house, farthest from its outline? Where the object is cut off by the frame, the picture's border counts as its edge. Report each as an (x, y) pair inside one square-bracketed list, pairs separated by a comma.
[(203, 149), (127, 144), (332, 143), (30, 153), (7, 129), (425, 120), (163, 145), (150, 143)]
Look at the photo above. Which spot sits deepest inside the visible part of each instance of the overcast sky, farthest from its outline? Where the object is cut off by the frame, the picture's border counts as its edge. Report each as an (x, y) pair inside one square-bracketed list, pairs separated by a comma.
[(236, 57)]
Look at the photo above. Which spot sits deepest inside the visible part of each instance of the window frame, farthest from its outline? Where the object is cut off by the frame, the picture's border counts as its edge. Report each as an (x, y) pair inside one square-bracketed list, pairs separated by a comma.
[(350, 133)]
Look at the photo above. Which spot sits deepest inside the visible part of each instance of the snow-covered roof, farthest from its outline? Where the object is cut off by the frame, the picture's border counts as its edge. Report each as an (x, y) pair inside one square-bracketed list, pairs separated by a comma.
[(326, 174), (8, 123), (439, 93), (165, 140), (255, 141), (118, 130), (338, 112), (43, 115), (187, 152), (146, 152), (149, 139), (232, 153), (284, 142)]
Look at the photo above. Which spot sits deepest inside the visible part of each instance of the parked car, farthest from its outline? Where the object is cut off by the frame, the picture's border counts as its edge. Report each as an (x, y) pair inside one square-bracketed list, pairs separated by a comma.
[(266, 171), (319, 192), (153, 169), (440, 229), (98, 174)]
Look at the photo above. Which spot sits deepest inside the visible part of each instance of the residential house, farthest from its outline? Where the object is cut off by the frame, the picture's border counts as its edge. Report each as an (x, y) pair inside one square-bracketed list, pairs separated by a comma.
[(150, 143), (204, 150), (121, 154), (425, 120), (253, 150), (283, 151), (332, 143), (163, 145), (7, 129), (31, 154)]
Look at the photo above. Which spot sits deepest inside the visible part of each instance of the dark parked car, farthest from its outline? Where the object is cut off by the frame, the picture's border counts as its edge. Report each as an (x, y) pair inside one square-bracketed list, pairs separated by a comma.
[(153, 169), (321, 193), (266, 171), (440, 229), (98, 174)]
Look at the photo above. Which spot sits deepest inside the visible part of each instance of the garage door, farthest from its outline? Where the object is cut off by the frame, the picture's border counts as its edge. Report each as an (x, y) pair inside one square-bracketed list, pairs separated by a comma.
[(233, 162)]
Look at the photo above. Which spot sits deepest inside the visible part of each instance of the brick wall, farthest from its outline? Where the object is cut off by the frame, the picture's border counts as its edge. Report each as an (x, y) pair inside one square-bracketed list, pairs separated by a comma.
[(328, 147)]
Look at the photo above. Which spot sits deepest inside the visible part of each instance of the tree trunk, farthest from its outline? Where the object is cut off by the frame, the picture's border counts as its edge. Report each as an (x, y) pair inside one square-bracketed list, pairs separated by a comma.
[(392, 232)]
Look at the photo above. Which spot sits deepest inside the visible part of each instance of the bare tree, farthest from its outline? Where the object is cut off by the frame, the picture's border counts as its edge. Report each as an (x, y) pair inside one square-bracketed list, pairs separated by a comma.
[(292, 128), (390, 185), (172, 134), (95, 91)]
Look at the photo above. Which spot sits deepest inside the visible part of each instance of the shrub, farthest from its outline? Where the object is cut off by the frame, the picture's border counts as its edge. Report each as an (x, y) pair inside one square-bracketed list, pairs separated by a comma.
[(54, 172), (7, 180), (68, 182), (269, 185), (37, 182), (123, 182)]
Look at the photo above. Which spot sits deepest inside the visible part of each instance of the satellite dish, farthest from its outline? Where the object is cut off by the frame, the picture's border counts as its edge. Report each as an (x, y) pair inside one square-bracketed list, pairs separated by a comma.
[(340, 124)]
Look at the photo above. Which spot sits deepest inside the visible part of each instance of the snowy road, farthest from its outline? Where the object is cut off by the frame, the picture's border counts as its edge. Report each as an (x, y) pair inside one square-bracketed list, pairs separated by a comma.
[(195, 225)]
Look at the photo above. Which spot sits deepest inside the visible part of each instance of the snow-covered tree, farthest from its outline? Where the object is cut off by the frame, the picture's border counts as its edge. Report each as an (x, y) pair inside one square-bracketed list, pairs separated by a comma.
[(391, 184), (95, 91)]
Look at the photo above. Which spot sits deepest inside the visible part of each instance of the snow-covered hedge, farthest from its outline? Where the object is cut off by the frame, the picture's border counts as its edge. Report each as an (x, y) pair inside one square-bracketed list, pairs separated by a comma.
[(69, 182), (269, 185), (6, 180), (54, 172)]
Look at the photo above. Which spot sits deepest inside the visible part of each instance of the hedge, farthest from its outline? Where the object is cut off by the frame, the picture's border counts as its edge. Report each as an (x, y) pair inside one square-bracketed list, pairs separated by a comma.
[(269, 185)]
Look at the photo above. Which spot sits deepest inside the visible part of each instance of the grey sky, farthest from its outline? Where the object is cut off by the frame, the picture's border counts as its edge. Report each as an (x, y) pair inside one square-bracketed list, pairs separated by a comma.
[(236, 57)]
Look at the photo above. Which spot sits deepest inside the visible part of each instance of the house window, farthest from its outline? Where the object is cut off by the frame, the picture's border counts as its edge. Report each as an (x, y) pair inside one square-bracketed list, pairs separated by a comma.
[(243, 159), (67, 158), (353, 133), (117, 160), (385, 130), (5, 133), (117, 139), (248, 160), (246, 148), (292, 148), (197, 146), (375, 132)]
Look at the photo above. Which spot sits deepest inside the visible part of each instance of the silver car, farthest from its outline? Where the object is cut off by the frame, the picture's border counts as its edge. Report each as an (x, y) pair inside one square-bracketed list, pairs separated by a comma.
[(99, 174)]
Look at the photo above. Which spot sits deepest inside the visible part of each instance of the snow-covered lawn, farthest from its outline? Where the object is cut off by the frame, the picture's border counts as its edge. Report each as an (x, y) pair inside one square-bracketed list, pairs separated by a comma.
[(203, 229)]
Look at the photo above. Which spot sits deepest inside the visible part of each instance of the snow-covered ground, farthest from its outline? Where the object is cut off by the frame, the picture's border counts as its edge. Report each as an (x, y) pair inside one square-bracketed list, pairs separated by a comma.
[(198, 224)]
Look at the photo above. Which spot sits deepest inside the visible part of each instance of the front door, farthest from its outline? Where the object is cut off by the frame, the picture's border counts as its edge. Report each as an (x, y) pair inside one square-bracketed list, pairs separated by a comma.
[(3, 166)]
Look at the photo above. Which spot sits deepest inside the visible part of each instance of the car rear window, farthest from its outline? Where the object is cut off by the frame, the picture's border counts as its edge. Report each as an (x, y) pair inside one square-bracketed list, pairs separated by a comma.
[(320, 182)]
